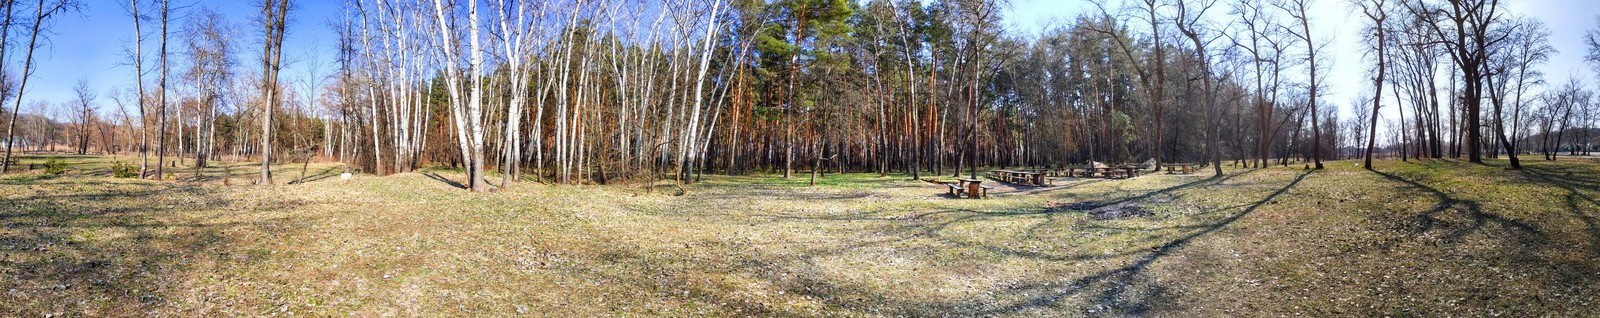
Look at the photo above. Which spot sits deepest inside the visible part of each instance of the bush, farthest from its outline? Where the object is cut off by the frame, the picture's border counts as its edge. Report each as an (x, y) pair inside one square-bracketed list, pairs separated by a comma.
[(55, 166), (123, 170)]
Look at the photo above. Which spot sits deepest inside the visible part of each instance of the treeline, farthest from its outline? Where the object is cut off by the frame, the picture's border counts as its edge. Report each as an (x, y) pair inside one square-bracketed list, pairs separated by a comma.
[(600, 91)]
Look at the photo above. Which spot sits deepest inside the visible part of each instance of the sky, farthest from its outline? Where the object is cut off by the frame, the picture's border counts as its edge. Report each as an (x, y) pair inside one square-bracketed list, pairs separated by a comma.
[(90, 44), (1338, 23)]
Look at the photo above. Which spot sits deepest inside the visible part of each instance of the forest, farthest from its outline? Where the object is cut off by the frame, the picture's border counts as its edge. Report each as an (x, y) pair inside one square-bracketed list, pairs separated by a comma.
[(598, 92), (800, 158)]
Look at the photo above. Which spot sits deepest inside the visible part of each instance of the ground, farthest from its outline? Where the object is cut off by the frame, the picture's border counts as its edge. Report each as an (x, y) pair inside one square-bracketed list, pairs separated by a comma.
[(1432, 238)]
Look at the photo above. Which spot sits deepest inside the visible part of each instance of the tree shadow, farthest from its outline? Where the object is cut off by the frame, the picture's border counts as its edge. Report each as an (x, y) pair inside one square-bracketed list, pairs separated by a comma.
[(324, 174), (794, 272), (1433, 218), (1574, 198), (437, 177), (1117, 284), (79, 246)]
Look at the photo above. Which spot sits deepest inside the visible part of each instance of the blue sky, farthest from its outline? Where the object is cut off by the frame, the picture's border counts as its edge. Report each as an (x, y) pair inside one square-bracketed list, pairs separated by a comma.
[(1337, 24), (89, 45)]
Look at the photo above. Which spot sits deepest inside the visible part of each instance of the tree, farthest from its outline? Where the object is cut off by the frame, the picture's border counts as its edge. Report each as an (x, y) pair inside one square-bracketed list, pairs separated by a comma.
[(1188, 21), (1263, 38), (979, 19), (138, 80), (515, 41), (83, 109), (1527, 45), (1378, 15), (467, 111), (43, 12), (1297, 10), (1465, 28), (209, 40), (6, 80), (798, 30), (1152, 73), (273, 21), (161, 98)]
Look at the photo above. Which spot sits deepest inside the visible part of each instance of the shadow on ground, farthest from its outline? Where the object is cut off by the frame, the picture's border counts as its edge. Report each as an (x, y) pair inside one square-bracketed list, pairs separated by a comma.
[(127, 244)]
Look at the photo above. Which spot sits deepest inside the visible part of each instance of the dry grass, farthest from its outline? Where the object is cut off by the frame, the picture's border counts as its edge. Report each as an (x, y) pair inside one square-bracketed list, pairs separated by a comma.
[(1430, 239)]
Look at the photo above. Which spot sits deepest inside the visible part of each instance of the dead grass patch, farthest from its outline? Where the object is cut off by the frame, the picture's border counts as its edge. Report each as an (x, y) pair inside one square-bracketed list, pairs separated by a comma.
[(1415, 239)]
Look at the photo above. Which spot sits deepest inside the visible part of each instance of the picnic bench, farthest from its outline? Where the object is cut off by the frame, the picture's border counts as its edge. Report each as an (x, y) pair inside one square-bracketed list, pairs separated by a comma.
[(1119, 172), (1027, 177), (971, 188), (1180, 168), (1123, 172)]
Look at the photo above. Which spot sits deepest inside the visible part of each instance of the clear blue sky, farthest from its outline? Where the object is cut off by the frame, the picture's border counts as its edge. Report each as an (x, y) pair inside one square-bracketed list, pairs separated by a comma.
[(90, 44)]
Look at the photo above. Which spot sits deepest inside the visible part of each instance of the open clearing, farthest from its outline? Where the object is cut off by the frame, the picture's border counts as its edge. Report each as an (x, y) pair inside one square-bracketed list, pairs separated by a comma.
[(1415, 239)]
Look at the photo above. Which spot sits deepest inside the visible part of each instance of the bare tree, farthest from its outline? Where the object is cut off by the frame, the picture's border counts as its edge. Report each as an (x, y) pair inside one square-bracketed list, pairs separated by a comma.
[(138, 80), (1465, 28), (273, 20), (1298, 10), (123, 102), (161, 98), (209, 40), (83, 109), (1188, 20), (1378, 15), (515, 41), (1527, 45), (468, 112), (5, 76), (42, 14), (1261, 27), (1153, 77)]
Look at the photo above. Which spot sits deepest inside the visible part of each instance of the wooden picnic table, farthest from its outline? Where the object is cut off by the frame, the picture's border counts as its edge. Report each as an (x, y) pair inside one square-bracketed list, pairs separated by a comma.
[(1027, 177), (1119, 172), (972, 188), (1104, 172), (1181, 168)]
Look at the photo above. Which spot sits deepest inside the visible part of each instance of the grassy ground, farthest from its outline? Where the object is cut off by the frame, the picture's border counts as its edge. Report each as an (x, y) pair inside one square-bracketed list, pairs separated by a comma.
[(1437, 238)]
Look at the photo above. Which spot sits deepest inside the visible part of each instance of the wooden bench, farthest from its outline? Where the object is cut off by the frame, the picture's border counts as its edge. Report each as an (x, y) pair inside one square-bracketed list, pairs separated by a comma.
[(958, 192), (973, 188), (1035, 178), (1179, 168)]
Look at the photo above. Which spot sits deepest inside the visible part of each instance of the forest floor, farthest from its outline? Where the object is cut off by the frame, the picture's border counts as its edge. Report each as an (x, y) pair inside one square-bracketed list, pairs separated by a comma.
[(1432, 238)]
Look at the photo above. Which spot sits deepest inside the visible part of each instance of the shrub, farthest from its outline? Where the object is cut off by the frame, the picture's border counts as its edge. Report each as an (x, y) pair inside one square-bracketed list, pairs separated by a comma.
[(55, 166), (123, 170)]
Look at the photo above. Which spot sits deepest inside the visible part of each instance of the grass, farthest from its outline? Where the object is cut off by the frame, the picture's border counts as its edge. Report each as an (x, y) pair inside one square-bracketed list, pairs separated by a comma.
[(1434, 238)]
